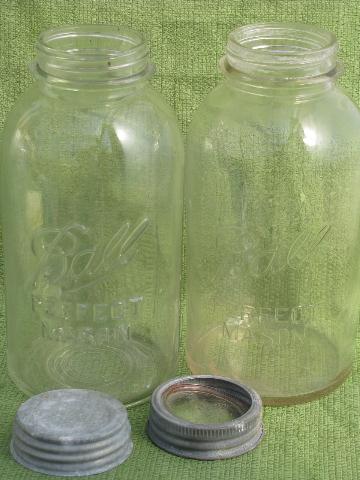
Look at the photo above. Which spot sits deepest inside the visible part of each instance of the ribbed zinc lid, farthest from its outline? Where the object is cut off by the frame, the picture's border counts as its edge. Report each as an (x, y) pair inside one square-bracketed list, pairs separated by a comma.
[(205, 417), (71, 432)]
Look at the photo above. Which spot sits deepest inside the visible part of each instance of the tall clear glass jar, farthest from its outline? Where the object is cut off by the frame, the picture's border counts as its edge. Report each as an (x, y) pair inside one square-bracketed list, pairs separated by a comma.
[(92, 214), (273, 215)]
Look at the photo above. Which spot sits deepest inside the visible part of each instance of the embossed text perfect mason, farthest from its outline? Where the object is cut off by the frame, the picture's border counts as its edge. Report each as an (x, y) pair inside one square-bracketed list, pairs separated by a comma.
[(273, 217), (92, 197)]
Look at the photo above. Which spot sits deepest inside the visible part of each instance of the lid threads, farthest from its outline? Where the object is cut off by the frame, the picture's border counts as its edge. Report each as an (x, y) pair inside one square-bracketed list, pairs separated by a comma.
[(212, 437)]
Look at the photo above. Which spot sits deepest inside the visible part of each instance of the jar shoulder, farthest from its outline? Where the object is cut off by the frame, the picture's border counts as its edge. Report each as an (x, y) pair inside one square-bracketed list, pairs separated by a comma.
[(227, 108), (37, 114)]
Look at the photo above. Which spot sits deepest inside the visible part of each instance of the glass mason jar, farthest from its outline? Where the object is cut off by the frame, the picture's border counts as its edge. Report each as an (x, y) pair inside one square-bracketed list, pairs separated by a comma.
[(92, 214), (273, 215)]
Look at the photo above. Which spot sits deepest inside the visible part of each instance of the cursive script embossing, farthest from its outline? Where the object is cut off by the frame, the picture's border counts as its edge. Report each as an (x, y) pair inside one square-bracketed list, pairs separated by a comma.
[(64, 262), (258, 260)]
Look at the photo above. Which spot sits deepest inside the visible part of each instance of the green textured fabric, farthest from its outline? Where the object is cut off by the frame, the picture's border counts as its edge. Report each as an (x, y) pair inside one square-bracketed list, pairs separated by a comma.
[(318, 440)]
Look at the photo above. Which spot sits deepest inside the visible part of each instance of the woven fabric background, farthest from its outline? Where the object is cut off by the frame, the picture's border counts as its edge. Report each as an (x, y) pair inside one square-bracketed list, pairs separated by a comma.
[(318, 440)]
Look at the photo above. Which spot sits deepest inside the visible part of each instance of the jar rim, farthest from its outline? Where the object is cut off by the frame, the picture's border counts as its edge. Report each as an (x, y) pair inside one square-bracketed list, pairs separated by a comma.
[(92, 54), (110, 32), (288, 50)]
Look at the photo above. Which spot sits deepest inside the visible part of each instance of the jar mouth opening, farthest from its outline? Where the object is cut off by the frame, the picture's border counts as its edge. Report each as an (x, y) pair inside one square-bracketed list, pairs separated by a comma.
[(289, 50), (276, 41), (90, 41), (95, 54)]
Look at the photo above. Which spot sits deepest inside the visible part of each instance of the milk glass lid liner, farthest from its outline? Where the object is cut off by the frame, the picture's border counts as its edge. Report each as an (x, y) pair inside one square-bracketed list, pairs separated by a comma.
[(205, 417), (71, 433)]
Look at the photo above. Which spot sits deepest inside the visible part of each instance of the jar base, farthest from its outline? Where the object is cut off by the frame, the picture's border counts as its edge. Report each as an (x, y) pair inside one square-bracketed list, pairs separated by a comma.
[(282, 401), (24, 388), (130, 371), (305, 366), (308, 397)]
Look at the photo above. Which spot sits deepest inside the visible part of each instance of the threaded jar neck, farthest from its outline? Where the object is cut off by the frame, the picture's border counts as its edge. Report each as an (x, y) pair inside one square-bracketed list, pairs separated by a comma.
[(92, 55), (281, 51)]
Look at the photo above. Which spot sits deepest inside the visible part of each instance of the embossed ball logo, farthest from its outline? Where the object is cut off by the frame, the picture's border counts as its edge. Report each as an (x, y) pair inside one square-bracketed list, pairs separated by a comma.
[(65, 262)]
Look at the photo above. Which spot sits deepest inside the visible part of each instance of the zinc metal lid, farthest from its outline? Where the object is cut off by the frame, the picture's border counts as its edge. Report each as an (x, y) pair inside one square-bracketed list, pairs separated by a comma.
[(71, 432), (205, 417)]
